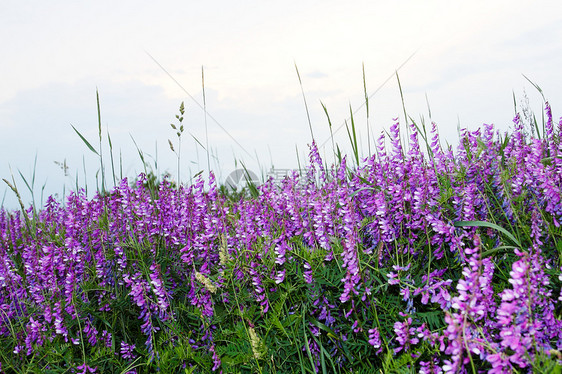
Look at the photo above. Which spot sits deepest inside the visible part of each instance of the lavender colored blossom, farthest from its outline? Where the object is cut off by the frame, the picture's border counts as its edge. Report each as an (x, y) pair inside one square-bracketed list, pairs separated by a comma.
[(106, 338), (525, 316), (91, 332), (86, 369), (259, 290), (280, 277), (405, 335), (307, 273), (375, 338), (160, 292), (430, 367), (435, 289), (281, 250), (127, 351), (35, 331)]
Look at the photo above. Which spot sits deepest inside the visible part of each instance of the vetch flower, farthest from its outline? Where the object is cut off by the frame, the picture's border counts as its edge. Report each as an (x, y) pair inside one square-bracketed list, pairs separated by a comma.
[(307, 273), (430, 367), (127, 351), (280, 277), (85, 369), (162, 295), (375, 338), (405, 335)]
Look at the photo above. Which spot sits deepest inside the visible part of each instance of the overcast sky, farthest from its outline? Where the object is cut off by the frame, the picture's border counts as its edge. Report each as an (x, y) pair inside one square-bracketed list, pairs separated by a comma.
[(467, 58)]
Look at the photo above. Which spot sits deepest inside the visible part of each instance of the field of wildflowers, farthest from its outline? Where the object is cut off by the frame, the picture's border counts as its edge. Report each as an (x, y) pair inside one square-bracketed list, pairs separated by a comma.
[(418, 260)]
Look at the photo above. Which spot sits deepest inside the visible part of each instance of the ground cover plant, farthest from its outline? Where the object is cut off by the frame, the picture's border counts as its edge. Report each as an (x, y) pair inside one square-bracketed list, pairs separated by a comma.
[(418, 259)]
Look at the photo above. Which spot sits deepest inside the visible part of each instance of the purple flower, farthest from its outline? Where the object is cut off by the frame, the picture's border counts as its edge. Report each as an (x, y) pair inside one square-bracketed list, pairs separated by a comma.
[(280, 277), (216, 358), (430, 367), (525, 317), (405, 335), (127, 351), (162, 295), (436, 288), (106, 338), (281, 250), (393, 278), (34, 335), (473, 305), (138, 293), (259, 290), (307, 273), (91, 332), (59, 319), (375, 338), (86, 369)]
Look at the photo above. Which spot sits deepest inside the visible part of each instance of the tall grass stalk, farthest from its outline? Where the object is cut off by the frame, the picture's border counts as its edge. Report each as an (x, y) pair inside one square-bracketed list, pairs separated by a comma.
[(337, 156), (206, 126), (98, 152), (102, 168), (179, 131), (141, 155), (352, 135), (85, 176), (111, 157), (305, 104), (366, 110), (403, 106), (14, 188), (31, 185)]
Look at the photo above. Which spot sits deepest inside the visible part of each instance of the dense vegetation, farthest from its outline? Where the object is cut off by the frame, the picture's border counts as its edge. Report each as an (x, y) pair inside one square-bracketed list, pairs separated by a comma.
[(429, 261)]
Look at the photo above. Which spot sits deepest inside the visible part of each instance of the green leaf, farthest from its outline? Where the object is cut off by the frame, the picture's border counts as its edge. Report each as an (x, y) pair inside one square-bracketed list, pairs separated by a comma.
[(85, 141), (490, 225), (198, 142), (99, 113)]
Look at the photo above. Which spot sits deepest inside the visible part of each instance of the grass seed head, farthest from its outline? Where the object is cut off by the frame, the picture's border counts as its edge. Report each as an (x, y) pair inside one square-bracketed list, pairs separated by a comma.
[(255, 342), (206, 282)]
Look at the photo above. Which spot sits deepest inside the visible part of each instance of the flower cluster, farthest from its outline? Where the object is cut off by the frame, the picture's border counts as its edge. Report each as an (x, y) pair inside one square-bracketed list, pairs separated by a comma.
[(359, 265)]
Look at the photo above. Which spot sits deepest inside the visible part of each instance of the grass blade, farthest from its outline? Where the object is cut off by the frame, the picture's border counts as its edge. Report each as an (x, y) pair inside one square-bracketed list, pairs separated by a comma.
[(374, 93), (14, 188), (307, 346), (85, 141), (353, 137), (367, 109), (34, 169), (111, 155), (25, 181), (141, 155), (102, 169), (206, 127), (489, 225), (305, 104), (198, 142), (536, 86), (331, 132), (250, 182), (403, 104), (99, 113)]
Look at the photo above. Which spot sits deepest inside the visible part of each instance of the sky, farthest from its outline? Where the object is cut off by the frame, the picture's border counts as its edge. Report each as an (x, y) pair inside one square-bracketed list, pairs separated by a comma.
[(459, 64)]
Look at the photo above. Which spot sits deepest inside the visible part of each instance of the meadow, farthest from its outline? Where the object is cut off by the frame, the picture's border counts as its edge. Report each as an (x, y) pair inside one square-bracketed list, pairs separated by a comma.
[(419, 258)]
